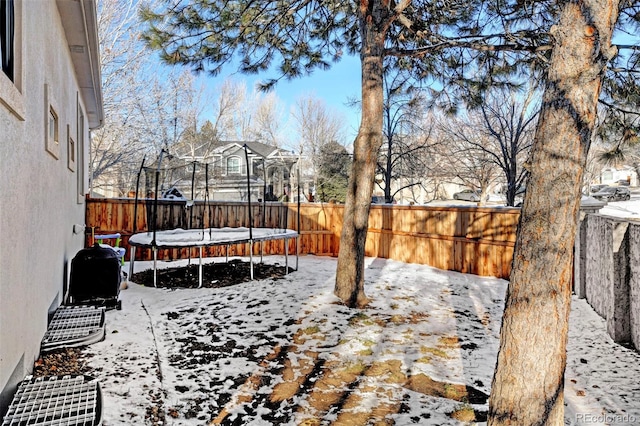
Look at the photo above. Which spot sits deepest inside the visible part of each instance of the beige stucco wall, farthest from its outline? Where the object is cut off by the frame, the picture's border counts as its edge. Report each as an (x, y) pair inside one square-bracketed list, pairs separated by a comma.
[(38, 193)]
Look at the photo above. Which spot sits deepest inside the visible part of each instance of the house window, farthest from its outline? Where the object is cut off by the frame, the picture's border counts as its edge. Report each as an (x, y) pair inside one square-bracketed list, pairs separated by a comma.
[(233, 165), (52, 125), (71, 150), (10, 58), (7, 31)]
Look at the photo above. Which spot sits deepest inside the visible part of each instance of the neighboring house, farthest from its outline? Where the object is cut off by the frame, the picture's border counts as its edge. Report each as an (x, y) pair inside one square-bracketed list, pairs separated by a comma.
[(50, 98), (612, 175), (271, 172)]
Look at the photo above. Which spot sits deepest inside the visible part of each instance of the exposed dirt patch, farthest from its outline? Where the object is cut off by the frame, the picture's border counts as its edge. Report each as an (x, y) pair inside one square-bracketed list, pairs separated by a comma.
[(61, 362), (214, 275), (457, 392), (467, 414)]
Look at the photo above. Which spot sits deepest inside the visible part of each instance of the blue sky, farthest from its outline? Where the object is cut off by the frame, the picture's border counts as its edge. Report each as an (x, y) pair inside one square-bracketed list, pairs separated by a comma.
[(335, 86)]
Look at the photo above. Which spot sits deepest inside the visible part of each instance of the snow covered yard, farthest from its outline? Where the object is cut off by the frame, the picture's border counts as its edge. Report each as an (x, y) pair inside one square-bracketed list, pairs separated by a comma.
[(283, 351)]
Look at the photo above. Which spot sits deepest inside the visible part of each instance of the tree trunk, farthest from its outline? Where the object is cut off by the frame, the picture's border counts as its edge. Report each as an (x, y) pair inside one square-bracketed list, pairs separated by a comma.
[(350, 271), (528, 382)]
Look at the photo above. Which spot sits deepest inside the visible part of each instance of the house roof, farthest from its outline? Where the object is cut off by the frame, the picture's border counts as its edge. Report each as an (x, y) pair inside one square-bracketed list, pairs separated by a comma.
[(261, 149), (272, 152), (258, 148), (79, 20), (232, 148), (620, 168)]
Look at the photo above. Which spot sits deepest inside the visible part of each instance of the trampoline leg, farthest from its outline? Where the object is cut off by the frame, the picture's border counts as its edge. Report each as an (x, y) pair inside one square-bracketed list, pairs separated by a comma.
[(297, 251), (155, 266), (286, 256), (200, 269), (251, 259), (261, 251), (132, 259)]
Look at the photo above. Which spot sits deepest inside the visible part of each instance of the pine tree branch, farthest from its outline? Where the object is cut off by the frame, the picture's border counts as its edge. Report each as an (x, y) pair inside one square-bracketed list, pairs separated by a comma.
[(624, 70), (478, 44), (627, 47), (617, 108)]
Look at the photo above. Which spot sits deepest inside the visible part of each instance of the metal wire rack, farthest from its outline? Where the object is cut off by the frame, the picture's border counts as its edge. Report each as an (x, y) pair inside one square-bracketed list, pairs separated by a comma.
[(74, 326), (56, 401)]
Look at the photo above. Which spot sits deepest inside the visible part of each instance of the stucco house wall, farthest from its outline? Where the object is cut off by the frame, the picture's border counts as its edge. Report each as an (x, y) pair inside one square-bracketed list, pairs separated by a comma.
[(42, 183)]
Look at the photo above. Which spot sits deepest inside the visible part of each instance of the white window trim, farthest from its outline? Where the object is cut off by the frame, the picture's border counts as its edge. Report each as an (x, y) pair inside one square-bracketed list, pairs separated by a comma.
[(81, 161)]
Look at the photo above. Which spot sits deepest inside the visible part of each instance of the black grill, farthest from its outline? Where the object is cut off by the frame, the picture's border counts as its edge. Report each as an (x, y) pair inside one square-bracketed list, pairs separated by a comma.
[(95, 277)]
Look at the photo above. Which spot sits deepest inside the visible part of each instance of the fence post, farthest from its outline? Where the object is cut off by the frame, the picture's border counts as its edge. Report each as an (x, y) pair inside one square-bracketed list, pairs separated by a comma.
[(634, 284), (618, 324), (581, 246)]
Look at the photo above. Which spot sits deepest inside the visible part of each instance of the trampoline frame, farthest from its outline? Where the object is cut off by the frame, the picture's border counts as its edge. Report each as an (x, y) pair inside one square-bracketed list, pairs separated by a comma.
[(162, 240)]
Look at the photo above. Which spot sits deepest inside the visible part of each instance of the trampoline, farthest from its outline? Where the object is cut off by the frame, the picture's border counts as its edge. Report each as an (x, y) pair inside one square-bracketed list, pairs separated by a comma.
[(199, 238), (155, 239)]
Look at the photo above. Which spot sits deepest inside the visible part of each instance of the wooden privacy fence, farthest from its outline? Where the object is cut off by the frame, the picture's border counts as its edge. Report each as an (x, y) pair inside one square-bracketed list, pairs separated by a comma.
[(477, 240)]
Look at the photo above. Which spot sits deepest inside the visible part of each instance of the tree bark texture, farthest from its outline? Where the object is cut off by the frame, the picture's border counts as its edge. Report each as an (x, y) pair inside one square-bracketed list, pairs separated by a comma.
[(528, 382), (350, 271)]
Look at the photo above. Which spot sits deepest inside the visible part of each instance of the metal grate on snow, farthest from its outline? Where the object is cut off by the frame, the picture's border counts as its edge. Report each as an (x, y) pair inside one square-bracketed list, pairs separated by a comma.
[(56, 401), (74, 326)]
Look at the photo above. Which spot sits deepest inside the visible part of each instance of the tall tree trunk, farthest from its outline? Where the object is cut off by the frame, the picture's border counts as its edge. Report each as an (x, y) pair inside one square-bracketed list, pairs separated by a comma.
[(528, 382), (350, 271)]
